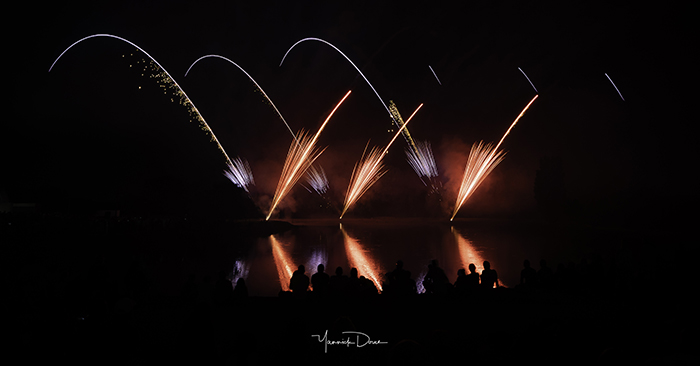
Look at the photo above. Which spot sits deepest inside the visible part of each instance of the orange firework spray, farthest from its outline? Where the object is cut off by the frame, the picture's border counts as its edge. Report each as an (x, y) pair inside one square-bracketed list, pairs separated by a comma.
[(368, 170), (482, 160), (302, 153)]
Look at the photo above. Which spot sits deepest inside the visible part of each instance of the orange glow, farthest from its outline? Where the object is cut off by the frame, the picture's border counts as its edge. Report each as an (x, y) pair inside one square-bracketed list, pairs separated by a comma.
[(302, 153), (469, 254), (285, 270), (358, 258)]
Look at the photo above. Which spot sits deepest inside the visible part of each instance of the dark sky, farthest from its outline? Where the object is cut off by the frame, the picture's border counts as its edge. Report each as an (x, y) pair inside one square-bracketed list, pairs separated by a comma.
[(94, 132)]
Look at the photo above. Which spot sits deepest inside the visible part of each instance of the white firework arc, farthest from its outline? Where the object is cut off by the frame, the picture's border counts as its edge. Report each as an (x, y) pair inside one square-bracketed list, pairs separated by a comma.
[(188, 101), (314, 176)]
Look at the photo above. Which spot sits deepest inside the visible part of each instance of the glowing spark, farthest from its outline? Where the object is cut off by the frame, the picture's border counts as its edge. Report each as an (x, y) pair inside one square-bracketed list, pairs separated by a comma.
[(482, 159), (436, 78), (618, 90), (302, 153), (528, 79), (316, 177), (371, 168), (240, 174), (358, 259), (170, 82)]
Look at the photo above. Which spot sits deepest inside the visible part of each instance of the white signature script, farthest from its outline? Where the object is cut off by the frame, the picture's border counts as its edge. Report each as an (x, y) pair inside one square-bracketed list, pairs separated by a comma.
[(360, 340)]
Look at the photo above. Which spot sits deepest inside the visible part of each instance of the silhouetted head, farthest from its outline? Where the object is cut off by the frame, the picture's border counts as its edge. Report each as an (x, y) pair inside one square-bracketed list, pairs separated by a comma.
[(472, 267), (434, 262), (320, 268), (487, 265), (461, 272), (399, 264), (339, 271), (353, 273), (301, 268), (526, 264)]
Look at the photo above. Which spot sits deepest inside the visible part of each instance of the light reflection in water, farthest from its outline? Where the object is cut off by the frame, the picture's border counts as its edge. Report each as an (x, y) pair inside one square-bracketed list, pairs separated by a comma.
[(240, 270), (358, 258), (469, 254), (283, 262)]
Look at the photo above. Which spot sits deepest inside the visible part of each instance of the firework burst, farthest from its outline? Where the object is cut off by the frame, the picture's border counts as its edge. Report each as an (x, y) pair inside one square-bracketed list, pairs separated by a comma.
[(302, 153), (240, 174), (368, 170), (482, 159)]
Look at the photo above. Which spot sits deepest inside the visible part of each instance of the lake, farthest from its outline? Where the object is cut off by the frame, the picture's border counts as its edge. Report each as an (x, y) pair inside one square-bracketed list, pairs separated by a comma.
[(374, 245)]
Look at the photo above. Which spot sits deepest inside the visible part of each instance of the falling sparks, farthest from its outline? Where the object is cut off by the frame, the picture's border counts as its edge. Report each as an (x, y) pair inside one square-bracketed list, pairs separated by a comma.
[(240, 174), (302, 153), (168, 83), (613, 84), (528, 79), (368, 170), (482, 160)]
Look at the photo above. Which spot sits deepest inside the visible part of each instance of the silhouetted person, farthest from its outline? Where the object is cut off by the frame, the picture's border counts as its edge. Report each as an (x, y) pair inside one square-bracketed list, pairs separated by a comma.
[(367, 287), (353, 283), (338, 283), (462, 282), (320, 281), (223, 290), (400, 281), (489, 277), (299, 283), (435, 280), (545, 276), (528, 275), (241, 290), (472, 277)]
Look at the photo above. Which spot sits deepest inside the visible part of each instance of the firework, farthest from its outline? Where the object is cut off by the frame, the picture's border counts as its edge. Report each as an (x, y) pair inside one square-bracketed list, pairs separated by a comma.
[(528, 79), (302, 154), (392, 114), (613, 84), (251, 79), (482, 159), (240, 174), (315, 177), (368, 170), (433, 71), (168, 82), (420, 156)]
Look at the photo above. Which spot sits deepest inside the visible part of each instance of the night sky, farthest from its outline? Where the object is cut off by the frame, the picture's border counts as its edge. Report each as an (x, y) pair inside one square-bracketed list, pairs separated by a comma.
[(94, 133)]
